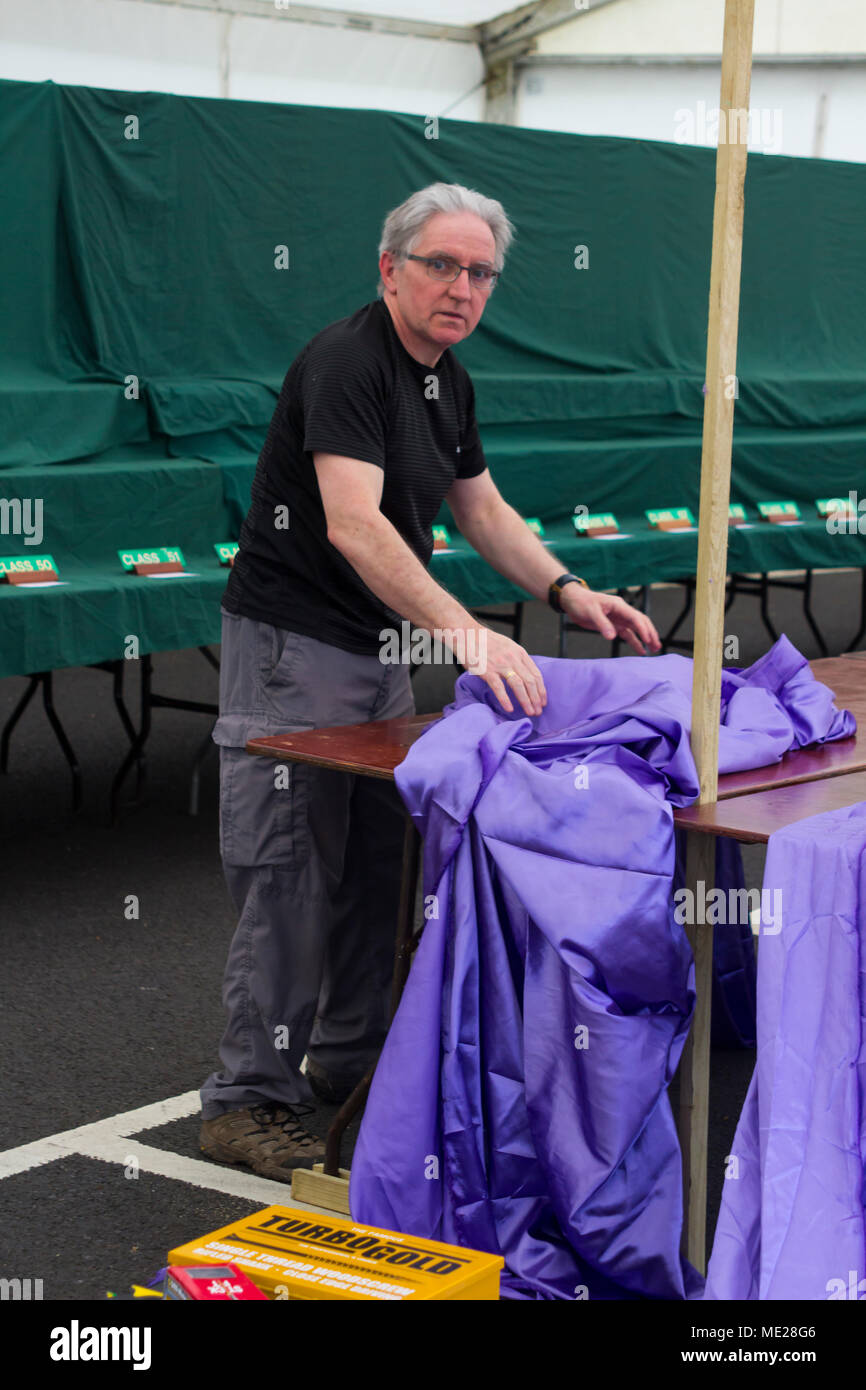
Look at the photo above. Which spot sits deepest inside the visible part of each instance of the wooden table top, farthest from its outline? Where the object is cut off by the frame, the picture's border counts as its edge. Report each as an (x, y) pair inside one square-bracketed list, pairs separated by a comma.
[(376, 748), (754, 818), (848, 680)]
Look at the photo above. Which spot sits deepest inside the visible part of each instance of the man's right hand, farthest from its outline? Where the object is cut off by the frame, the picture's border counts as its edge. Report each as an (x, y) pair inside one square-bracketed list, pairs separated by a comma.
[(509, 670)]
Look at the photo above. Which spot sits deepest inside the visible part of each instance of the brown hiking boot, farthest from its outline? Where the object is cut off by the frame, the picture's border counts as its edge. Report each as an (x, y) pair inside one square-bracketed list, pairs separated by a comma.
[(266, 1138)]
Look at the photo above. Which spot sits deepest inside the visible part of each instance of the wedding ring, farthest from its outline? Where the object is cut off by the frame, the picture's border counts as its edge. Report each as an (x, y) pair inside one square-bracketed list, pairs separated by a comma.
[(508, 674)]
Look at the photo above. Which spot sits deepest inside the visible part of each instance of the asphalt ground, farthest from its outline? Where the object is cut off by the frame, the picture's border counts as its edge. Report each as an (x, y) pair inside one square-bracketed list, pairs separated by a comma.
[(102, 1015)]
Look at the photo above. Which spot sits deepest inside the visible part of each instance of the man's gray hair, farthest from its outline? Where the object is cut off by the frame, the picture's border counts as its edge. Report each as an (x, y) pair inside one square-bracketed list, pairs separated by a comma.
[(403, 226)]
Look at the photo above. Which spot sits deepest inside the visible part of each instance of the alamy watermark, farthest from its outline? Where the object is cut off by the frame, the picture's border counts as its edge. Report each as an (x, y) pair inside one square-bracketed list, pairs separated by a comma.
[(20, 1289), (756, 126), (734, 905), (77, 1343), (22, 516), (441, 647), (848, 516), (852, 1288)]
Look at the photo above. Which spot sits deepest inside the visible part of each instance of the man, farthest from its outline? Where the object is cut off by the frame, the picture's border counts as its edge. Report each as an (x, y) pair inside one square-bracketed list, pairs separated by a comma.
[(374, 426)]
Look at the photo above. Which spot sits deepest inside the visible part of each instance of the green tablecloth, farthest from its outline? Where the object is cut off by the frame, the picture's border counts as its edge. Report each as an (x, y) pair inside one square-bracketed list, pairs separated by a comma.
[(649, 557), (90, 617)]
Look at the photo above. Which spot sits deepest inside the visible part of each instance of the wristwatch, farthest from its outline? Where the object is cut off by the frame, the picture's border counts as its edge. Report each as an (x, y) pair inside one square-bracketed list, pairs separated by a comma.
[(557, 587)]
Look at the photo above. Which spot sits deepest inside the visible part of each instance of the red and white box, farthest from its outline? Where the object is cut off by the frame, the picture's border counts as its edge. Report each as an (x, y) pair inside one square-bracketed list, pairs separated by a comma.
[(210, 1284)]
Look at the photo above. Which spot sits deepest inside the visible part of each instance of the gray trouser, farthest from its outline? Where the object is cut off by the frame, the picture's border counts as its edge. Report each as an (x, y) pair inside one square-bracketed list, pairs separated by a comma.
[(312, 860)]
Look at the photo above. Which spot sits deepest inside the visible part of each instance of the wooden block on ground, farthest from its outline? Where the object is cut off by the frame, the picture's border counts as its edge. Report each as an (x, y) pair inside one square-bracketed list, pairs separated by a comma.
[(322, 1189)]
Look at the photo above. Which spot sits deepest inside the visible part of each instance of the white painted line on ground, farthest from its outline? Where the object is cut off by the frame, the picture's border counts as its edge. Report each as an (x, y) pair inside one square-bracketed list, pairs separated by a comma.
[(109, 1141), (32, 1155), (237, 1182), (70, 1141)]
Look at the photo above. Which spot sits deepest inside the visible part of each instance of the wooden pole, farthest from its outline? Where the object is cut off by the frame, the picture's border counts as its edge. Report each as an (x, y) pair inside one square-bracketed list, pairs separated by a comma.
[(710, 593)]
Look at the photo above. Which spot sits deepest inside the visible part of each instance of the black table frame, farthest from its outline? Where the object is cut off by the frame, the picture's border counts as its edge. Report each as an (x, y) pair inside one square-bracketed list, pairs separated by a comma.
[(150, 700)]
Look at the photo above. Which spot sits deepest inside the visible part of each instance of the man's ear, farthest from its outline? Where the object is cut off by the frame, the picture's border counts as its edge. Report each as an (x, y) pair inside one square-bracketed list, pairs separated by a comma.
[(387, 266)]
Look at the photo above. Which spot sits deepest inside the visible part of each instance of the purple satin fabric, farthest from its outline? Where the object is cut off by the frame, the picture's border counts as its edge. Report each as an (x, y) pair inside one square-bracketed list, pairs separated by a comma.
[(494, 1120), (792, 1223)]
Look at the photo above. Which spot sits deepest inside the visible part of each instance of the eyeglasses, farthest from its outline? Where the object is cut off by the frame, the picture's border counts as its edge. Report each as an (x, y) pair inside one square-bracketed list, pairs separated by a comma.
[(446, 268)]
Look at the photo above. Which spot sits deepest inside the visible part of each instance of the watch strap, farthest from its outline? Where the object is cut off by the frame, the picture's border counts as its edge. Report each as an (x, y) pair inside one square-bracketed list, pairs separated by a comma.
[(555, 590)]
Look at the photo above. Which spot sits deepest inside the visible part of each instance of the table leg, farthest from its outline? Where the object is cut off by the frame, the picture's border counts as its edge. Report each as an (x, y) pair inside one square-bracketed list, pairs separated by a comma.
[(149, 702), (695, 1063), (43, 679), (405, 911), (861, 631), (136, 752), (765, 608), (33, 686), (341, 1120), (118, 669), (810, 617), (689, 586), (402, 961), (60, 734)]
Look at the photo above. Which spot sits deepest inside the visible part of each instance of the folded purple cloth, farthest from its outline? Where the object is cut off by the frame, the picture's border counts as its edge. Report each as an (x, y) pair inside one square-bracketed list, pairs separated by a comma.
[(520, 1103), (792, 1224)]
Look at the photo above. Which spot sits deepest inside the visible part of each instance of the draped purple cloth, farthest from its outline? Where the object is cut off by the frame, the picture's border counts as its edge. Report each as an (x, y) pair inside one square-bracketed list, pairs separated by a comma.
[(520, 1103), (792, 1224)]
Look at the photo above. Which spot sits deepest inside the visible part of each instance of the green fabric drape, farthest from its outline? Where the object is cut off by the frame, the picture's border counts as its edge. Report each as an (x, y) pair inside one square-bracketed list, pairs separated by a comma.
[(148, 326)]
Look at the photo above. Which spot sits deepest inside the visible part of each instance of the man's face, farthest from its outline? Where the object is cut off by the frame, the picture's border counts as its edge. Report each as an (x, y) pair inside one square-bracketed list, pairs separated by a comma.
[(436, 312)]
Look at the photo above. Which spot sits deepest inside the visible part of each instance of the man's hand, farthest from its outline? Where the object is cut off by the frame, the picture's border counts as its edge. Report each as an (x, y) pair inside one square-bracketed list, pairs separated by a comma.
[(611, 616), (505, 541), (506, 667)]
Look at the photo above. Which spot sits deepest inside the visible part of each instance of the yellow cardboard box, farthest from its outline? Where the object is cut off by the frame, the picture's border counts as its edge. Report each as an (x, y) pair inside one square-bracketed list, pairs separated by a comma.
[(297, 1254)]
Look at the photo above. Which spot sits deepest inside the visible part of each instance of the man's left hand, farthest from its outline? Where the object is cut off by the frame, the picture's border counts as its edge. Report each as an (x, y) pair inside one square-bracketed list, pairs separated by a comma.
[(611, 616)]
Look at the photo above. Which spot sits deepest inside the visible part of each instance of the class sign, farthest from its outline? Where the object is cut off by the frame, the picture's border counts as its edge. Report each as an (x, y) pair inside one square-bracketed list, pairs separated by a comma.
[(161, 556), (29, 564)]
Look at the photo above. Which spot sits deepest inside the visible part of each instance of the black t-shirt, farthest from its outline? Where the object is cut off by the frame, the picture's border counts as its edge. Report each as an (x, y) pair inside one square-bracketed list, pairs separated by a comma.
[(353, 390)]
